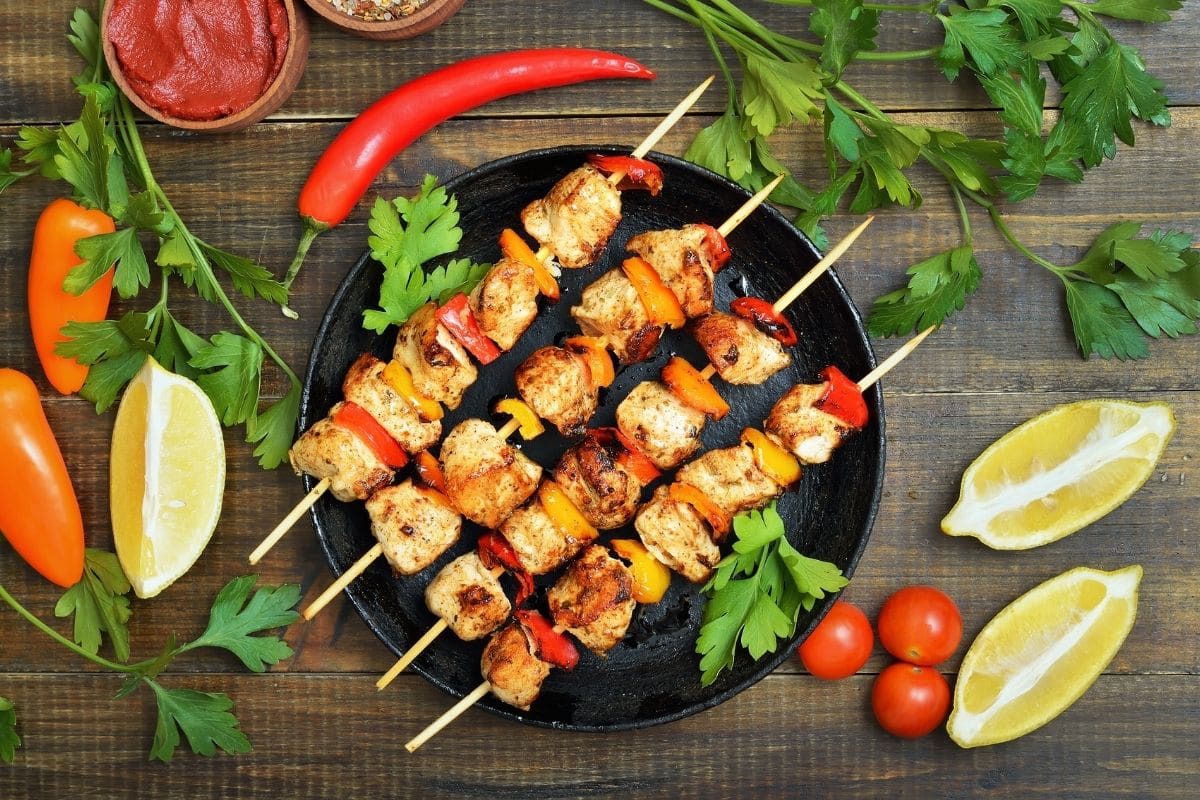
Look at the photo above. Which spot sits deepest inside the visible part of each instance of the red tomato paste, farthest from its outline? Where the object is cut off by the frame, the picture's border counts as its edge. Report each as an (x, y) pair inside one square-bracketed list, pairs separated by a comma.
[(199, 59)]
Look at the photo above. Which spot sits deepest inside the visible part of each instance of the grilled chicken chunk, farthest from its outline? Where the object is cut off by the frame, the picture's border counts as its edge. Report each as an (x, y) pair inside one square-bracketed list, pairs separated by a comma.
[(810, 433), (610, 308), (682, 258), (505, 302), (330, 451), (440, 367), (603, 490), (413, 526), (364, 386), (730, 478), (677, 536), (740, 352), (663, 426), (540, 546), (509, 665), (468, 597), (594, 599), (576, 217), (486, 477), (557, 384)]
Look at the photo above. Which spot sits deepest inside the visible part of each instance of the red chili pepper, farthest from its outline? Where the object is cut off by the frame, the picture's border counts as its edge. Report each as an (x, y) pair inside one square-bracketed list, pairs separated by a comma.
[(429, 471), (843, 399), (551, 645), (766, 318), (457, 317), (358, 421), (637, 173), (630, 456), (373, 138), (495, 551), (718, 249)]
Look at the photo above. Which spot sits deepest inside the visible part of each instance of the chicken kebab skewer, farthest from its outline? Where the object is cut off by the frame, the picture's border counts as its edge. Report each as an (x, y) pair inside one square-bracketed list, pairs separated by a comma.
[(518, 658), (640, 424), (557, 215)]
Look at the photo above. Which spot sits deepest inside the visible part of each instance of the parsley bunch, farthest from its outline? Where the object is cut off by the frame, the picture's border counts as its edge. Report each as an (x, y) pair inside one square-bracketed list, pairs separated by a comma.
[(235, 621), (755, 612), (102, 158), (1126, 287)]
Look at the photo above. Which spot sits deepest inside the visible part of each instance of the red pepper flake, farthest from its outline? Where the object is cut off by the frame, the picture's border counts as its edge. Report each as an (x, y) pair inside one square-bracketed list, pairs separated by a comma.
[(378, 10)]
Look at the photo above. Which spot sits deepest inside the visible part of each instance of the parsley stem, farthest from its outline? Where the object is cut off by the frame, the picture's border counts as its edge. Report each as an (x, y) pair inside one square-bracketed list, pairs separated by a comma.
[(58, 637), (914, 8), (1006, 232), (968, 234)]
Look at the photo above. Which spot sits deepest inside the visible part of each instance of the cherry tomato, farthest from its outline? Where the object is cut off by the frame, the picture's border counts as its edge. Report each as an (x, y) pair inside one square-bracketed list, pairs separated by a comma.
[(909, 700), (839, 646), (920, 625)]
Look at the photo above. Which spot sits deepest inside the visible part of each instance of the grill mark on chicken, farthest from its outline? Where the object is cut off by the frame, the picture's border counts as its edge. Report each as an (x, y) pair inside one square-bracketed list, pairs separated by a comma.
[(594, 599), (510, 666), (576, 217)]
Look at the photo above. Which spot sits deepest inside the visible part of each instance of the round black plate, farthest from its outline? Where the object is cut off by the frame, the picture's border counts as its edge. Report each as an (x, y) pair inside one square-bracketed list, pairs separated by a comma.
[(652, 676)]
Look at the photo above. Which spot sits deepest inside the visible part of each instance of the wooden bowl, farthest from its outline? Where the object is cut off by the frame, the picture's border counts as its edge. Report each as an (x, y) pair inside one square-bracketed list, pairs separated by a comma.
[(426, 19), (276, 94)]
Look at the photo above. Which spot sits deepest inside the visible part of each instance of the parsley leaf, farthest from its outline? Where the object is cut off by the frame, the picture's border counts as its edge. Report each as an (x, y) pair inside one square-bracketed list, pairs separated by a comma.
[(1102, 325), (236, 617), (983, 35), (1136, 10), (82, 158), (722, 148), (8, 175), (251, 279), (761, 609), (937, 287), (231, 371), (9, 741), (99, 604), (775, 92), (846, 28), (274, 429), (115, 350), (204, 718), (100, 253)]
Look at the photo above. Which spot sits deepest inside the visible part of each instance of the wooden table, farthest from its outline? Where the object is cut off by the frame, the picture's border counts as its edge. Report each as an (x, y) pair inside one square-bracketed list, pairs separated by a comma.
[(318, 726)]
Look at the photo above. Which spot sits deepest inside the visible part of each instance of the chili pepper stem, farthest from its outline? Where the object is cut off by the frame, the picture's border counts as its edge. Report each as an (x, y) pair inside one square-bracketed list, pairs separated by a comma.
[(312, 229)]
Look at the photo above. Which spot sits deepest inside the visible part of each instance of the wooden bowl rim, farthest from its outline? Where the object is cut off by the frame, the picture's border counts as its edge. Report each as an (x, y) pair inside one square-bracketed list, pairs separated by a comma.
[(426, 19), (294, 61)]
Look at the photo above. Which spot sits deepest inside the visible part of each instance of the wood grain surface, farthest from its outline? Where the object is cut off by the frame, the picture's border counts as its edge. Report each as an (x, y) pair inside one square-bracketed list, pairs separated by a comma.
[(318, 726)]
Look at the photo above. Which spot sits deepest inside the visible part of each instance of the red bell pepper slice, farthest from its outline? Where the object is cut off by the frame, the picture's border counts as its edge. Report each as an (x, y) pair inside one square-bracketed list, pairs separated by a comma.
[(358, 421), (551, 645), (842, 398), (638, 172), (457, 317), (765, 318), (718, 249), (495, 551), (629, 456)]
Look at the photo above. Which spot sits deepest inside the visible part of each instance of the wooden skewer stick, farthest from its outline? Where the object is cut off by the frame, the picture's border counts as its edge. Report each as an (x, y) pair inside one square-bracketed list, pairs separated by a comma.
[(344, 580), (747, 208), (895, 358), (417, 648), (453, 713), (287, 522), (509, 428)]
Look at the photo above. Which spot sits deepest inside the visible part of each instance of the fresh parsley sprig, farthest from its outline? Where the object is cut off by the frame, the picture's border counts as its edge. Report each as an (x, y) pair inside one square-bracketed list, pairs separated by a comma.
[(9, 740), (99, 604), (238, 622), (1115, 300), (757, 592)]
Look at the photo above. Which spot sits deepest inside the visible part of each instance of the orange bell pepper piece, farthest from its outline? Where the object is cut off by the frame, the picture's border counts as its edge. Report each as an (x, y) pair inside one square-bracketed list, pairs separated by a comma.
[(598, 359), (651, 577), (399, 378), (686, 383), (706, 508), (429, 471), (565, 514), (776, 463), (661, 304), (514, 247)]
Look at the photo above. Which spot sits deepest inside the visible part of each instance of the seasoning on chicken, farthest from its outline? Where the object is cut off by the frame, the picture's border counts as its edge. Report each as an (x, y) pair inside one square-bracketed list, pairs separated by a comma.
[(810, 433), (539, 544), (365, 386), (676, 535), (576, 217), (414, 525), (509, 665), (486, 477), (683, 259), (505, 302), (557, 384), (603, 490), (730, 479), (609, 308), (740, 352), (665, 428), (440, 367), (594, 599), (330, 451), (468, 597)]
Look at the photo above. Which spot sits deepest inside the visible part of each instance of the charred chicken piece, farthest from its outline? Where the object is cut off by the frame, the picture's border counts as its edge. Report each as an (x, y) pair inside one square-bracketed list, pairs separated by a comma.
[(330, 451), (665, 428), (603, 490), (505, 302), (468, 597), (557, 384), (810, 433), (510, 666), (730, 478), (609, 308), (594, 599), (364, 386), (576, 217), (413, 525), (677, 536), (440, 367), (486, 477), (740, 352), (539, 544), (682, 258)]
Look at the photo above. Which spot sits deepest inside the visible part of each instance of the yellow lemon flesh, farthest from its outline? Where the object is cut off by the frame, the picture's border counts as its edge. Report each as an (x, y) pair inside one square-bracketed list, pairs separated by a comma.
[(1038, 655), (1059, 471), (166, 477)]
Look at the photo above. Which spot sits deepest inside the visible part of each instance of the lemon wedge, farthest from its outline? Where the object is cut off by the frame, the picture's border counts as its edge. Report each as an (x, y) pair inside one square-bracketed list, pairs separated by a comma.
[(1059, 471), (1037, 656), (166, 477)]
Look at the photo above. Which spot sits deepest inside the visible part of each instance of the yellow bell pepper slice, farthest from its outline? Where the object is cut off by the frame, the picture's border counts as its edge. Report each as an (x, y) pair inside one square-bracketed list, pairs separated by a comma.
[(399, 378), (651, 577), (531, 425), (776, 463), (564, 514)]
